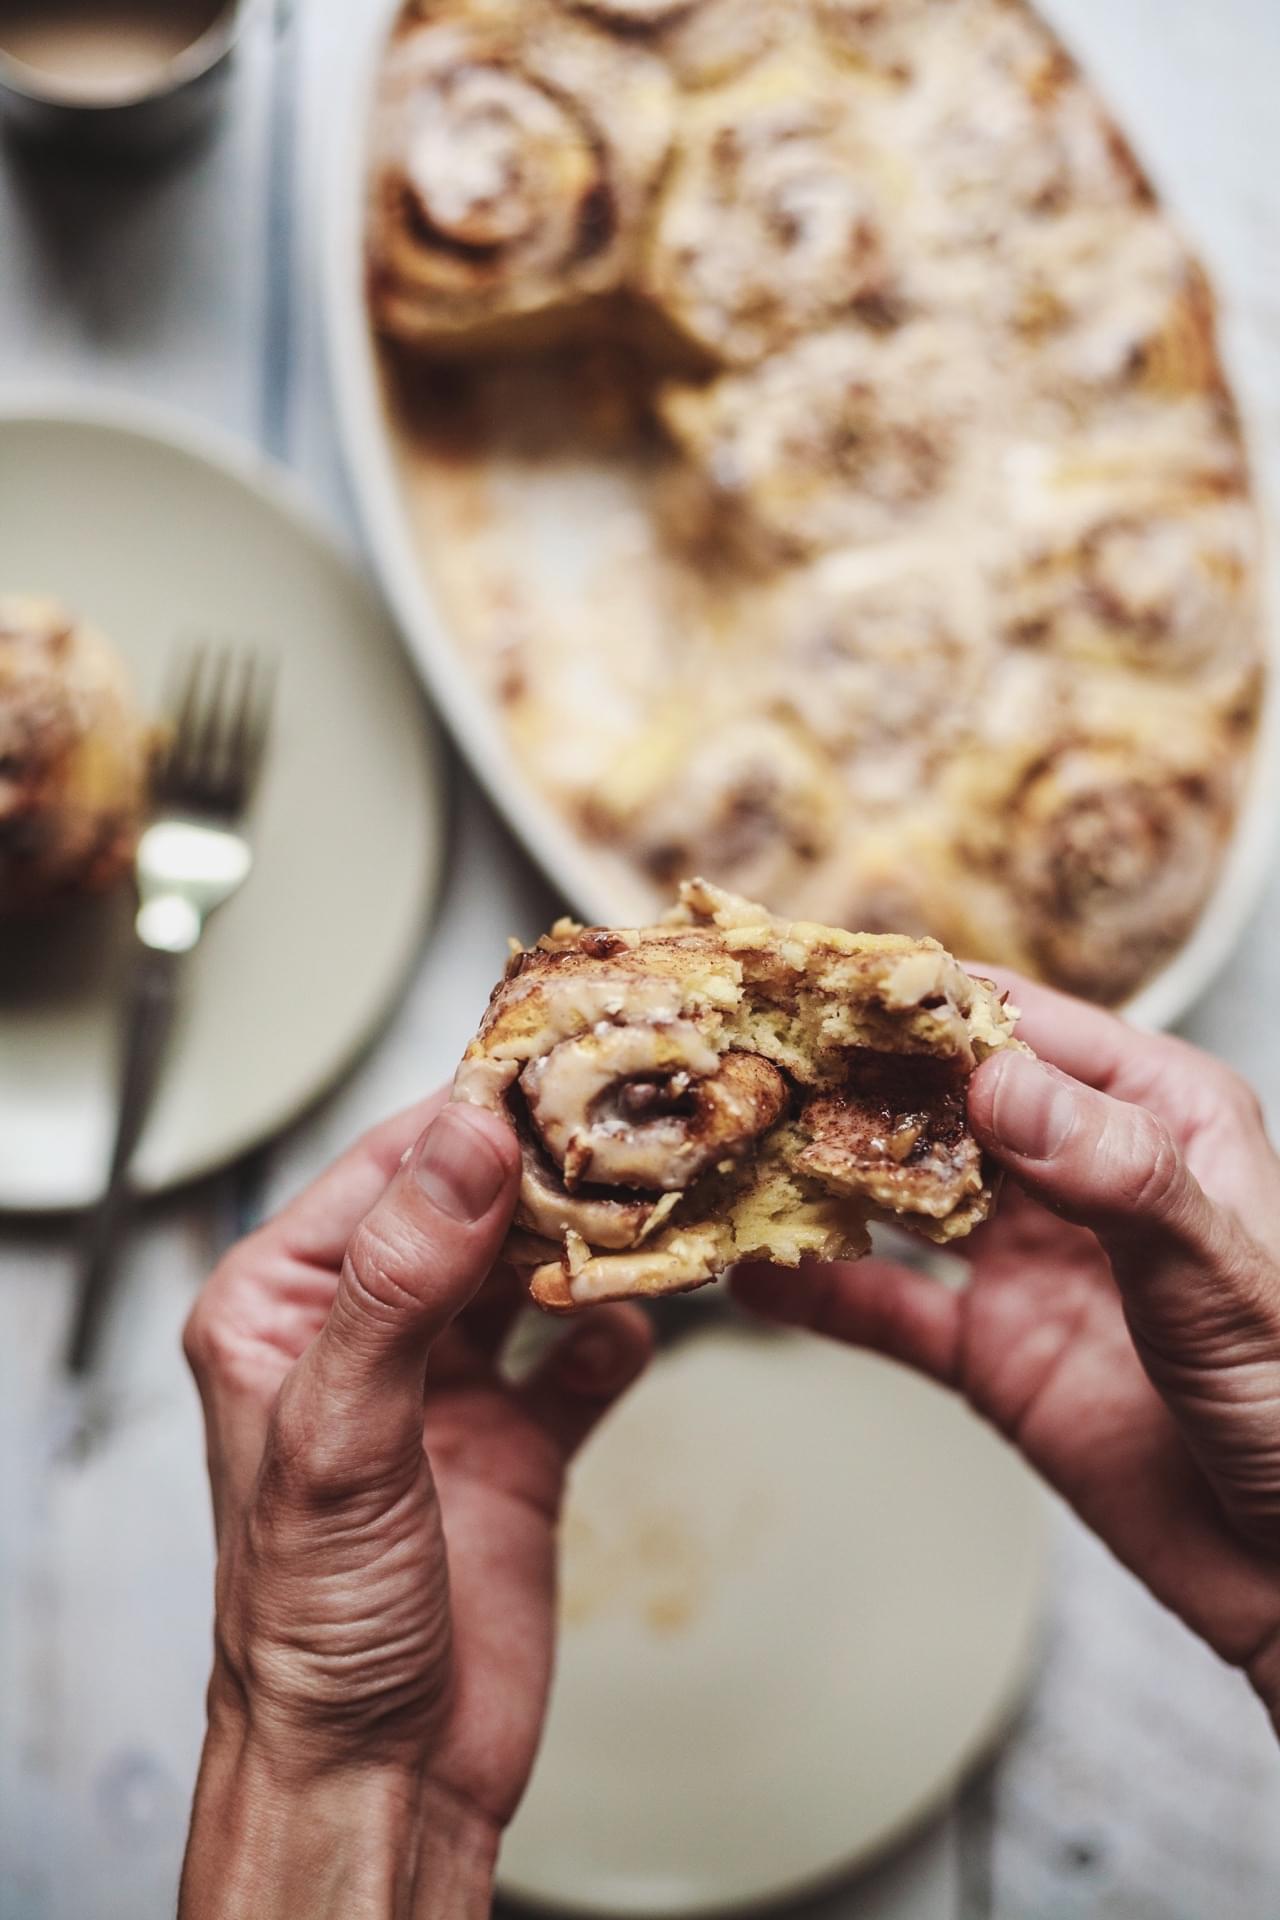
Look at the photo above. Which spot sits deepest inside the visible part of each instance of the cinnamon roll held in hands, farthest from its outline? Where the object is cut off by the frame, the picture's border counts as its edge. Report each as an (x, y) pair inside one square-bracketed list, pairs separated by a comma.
[(509, 174), (773, 220), (74, 758), (729, 1085)]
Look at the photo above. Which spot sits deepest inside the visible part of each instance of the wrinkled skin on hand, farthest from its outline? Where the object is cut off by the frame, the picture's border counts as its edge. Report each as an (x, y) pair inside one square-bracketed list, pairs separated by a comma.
[(385, 1505), (1122, 1321)]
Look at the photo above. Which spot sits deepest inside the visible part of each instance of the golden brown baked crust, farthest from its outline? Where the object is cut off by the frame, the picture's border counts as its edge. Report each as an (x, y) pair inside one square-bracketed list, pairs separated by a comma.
[(727, 1085), (509, 174), (74, 758)]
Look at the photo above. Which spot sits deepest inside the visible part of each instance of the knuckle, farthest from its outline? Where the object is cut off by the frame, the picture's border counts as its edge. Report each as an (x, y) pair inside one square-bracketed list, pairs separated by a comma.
[(307, 1462), (1149, 1170), (299, 1460), (212, 1340), (1238, 1097), (197, 1340)]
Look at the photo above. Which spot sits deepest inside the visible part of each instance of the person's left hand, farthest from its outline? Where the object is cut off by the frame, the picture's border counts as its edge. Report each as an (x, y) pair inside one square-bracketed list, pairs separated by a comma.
[(386, 1551)]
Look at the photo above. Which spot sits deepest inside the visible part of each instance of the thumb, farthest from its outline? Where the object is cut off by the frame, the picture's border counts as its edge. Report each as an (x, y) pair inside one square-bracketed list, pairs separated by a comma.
[(412, 1264), (1194, 1285)]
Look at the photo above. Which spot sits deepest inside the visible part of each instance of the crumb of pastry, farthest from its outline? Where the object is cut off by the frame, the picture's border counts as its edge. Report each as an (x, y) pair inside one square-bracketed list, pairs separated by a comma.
[(729, 1085)]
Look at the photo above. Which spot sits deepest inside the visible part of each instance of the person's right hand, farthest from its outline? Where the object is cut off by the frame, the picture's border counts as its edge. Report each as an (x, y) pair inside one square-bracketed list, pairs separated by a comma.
[(1122, 1321)]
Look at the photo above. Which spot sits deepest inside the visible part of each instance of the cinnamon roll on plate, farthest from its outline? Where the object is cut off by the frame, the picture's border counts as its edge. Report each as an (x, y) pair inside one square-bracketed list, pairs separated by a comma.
[(510, 171), (728, 1085), (75, 758)]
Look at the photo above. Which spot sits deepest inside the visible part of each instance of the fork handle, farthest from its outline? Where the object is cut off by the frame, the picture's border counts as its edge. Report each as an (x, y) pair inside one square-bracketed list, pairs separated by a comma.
[(153, 998)]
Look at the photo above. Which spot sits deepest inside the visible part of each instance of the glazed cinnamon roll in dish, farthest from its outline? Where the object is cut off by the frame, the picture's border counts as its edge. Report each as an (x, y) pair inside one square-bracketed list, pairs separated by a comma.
[(1170, 590), (850, 437), (918, 581), (728, 1085), (752, 797), (1106, 851), (774, 218), (703, 40), (510, 171), (1094, 303), (74, 758)]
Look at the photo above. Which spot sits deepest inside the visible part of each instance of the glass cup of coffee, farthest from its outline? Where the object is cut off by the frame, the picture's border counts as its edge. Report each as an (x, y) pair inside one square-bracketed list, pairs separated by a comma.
[(116, 77)]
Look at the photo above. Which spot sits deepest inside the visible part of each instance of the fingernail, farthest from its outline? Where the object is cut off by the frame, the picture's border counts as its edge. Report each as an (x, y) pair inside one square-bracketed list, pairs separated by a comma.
[(589, 1361), (457, 1167), (1034, 1109)]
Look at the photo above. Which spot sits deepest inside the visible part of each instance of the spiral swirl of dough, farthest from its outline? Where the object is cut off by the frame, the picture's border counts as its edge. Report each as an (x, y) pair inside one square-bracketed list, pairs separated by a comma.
[(509, 176), (772, 222)]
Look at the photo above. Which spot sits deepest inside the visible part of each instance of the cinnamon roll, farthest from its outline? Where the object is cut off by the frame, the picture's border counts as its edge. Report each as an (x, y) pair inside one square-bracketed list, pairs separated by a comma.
[(848, 438), (773, 220), (752, 799), (1098, 302), (726, 1086), (997, 132), (74, 758), (1169, 590), (884, 660), (886, 37), (703, 40), (509, 175), (1104, 854)]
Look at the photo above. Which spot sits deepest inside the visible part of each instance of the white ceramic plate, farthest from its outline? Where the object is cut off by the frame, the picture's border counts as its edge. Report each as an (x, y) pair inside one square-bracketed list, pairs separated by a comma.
[(599, 887), (800, 1596), (160, 533)]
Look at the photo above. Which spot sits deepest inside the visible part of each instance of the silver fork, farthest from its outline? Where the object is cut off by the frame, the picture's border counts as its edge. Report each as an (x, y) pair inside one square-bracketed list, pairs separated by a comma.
[(192, 858)]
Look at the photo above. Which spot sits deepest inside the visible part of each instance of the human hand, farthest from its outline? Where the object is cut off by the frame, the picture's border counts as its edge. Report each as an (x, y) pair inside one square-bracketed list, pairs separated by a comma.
[(1122, 1321), (386, 1552)]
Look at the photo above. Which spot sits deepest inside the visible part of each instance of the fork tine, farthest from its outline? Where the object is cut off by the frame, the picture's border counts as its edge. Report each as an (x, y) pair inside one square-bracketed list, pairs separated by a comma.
[(210, 770), (254, 720), (221, 717), (183, 707)]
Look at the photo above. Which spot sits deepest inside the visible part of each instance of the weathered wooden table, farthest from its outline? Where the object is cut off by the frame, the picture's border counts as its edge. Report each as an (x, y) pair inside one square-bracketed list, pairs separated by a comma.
[(1142, 1783)]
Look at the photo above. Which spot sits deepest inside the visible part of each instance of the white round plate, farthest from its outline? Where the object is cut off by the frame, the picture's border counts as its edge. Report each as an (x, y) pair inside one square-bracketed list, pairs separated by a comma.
[(161, 533), (602, 889), (801, 1589)]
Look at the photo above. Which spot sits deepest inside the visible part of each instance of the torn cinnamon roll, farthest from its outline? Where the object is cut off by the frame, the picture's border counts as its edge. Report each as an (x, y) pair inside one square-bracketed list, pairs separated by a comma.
[(74, 758), (848, 438), (509, 175), (773, 220), (727, 1085)]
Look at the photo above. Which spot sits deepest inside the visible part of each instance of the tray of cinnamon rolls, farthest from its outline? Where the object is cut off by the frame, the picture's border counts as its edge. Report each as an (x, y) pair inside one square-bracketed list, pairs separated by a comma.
[(797, 441)]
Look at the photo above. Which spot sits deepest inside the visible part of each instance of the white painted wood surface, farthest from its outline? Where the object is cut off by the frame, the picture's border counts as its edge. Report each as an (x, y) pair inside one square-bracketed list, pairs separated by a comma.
[(1142, 1784)]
